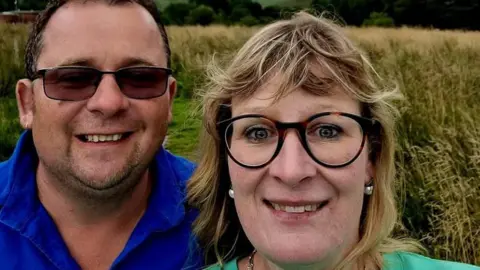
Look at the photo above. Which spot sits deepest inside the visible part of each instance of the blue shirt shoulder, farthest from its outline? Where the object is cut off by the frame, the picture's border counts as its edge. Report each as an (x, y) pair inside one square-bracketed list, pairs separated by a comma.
[(29, 238)]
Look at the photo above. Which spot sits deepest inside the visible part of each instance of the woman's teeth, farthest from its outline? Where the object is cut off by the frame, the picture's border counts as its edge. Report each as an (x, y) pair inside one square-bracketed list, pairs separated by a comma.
[(296, 209)]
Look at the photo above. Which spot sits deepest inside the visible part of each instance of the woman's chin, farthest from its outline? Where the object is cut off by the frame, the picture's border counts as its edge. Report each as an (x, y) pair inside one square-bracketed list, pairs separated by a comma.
[(297, 256)]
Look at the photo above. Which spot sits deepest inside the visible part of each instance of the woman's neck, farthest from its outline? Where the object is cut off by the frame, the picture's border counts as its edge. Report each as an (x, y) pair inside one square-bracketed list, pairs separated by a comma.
[(262, 263)]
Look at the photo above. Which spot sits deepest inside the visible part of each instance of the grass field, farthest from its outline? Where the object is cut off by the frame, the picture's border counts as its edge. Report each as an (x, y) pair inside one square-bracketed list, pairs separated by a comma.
[(438, 145)]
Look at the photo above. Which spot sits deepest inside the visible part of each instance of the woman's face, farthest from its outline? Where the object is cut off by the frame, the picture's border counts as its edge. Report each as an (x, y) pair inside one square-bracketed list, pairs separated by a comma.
[(276, 204)]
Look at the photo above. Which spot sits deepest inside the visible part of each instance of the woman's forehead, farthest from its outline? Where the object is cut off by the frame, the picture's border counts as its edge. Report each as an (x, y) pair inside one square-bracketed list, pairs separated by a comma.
[(299, 102)]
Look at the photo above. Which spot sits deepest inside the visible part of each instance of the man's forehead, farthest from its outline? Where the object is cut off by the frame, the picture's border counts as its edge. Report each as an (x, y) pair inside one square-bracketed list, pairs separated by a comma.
[(98, 32)]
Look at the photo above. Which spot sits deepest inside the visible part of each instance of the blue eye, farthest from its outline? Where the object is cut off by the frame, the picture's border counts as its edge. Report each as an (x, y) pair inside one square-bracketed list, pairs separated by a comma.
[(327, 131), (257, 134)]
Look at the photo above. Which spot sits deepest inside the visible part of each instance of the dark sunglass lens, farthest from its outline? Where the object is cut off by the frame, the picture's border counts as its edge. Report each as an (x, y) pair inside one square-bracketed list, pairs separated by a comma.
[(143, 82), (70, 83)]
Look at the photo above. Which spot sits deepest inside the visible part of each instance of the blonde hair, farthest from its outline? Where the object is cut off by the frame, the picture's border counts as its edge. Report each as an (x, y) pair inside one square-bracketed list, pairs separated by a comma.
[(292, 48)]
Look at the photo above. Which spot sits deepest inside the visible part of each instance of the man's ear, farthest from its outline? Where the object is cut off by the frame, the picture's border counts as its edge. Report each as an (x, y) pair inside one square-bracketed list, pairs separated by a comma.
[(172, 91), (25, 102)]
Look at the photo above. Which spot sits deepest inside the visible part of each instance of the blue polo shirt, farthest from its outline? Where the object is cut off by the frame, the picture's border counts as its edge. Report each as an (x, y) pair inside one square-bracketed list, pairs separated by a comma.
[(29, 238)]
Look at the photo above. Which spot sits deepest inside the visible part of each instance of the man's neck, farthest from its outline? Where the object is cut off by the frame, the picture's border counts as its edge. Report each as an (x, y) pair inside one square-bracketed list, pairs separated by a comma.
[(94, 234)]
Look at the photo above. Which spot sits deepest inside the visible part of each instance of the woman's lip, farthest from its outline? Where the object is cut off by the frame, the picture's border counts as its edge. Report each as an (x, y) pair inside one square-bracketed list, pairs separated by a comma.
[(297, 208), (295, 203), (295, 218)]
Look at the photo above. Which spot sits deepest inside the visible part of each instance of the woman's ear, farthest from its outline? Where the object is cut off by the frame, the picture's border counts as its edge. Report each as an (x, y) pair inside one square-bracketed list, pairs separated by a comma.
[(370, 172), (25, 102)]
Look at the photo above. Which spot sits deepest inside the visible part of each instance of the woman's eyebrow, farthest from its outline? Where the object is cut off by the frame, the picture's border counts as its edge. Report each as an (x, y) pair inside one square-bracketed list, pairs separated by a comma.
[(252, 109), (306, 111)]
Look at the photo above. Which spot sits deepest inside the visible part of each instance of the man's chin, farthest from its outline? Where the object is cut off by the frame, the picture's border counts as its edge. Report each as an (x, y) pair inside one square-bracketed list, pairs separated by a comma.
[(96, 182), (105, 181)]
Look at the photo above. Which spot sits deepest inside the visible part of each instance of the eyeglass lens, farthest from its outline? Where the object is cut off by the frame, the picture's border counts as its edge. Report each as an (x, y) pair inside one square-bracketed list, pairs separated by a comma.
[(331, 139)]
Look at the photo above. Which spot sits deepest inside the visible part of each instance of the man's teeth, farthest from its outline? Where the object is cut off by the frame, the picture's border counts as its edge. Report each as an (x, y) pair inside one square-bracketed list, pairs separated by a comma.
[(296, 209), (103, 138)]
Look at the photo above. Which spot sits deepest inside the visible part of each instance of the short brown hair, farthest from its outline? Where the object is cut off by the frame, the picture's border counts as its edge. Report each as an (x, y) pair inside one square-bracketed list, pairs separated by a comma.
[(34, 44)]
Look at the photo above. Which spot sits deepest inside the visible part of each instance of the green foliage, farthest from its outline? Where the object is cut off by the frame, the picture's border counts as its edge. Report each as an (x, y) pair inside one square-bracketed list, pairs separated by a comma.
[(162, 4), (436, 13), (202, 15), (244, 12), (217, 5), (11, 53), (254, 8), (177, 13), (320, 4), (427, 13), (6, 5), (221, 18), (249, 21), (379, 19), (9, 127), (285, 3), (238, 13)]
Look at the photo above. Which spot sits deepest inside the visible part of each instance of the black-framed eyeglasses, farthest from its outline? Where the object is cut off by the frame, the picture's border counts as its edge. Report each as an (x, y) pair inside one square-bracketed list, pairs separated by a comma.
[(75, 83), (332, 139)]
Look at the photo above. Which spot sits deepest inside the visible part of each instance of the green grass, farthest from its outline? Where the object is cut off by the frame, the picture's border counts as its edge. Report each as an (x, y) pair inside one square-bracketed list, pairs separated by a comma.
[(185, 128), (9, 127)]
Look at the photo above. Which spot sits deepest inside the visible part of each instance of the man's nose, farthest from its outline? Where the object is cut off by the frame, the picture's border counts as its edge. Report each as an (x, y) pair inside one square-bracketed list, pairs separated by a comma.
[(293, 164), (108, 99)]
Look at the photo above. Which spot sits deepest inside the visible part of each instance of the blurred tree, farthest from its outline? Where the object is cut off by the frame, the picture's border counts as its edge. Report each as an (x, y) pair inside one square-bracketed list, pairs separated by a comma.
[(255, 8), (177, 13), (32, 4), (221, 18), (320, 4), (239, 12), (272, 12), (217, 5), (202, 15), (379, 19), (249, 21), (6, 5)]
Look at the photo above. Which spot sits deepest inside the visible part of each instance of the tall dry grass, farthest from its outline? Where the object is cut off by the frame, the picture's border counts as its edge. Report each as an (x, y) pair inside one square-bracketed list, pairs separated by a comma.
[(438, 155)]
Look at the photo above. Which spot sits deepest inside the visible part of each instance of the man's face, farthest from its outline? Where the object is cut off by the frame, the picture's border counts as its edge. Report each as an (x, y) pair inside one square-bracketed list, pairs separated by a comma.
[(106, 38)]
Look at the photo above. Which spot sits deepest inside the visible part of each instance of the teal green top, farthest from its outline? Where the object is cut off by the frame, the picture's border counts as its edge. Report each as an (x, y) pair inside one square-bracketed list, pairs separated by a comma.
[(395, 261)]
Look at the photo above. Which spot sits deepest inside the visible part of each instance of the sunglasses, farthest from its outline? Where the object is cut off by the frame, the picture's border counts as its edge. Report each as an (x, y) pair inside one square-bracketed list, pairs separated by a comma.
[(71, 83)]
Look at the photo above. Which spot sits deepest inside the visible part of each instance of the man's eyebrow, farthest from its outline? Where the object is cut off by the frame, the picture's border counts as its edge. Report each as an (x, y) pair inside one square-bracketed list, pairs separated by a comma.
[(87, 62), (135, 61), (77, 62)]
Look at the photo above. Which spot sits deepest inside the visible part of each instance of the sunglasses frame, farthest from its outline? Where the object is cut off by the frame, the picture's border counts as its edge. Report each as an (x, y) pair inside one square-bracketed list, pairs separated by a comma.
[(41, 73), (367, 125)]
